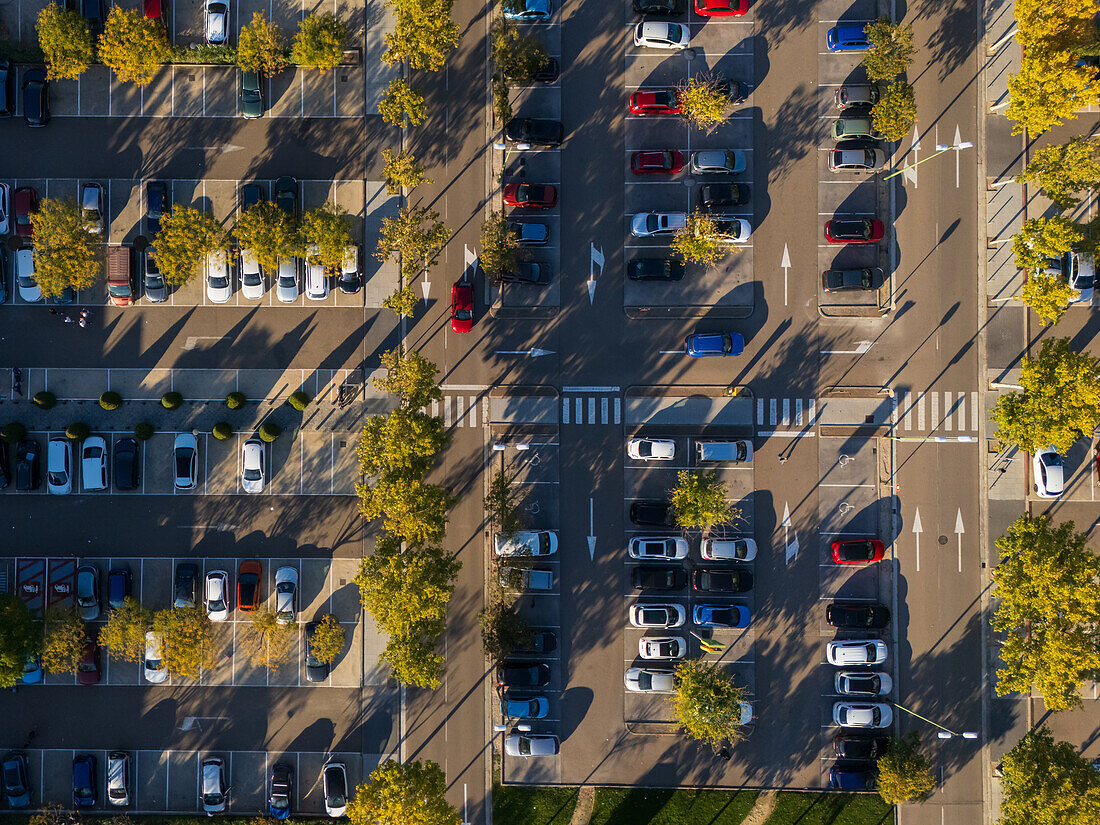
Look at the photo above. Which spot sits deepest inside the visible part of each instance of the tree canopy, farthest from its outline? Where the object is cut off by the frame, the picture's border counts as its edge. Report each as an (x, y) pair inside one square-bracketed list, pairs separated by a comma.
[(896, 111), (186, 237), (20, 637), (704, 100), (518, 56), (124, 634), (261, 47), (133, 46), (66, 42), (188, 646), (700, 500), (698, 241), (1044, 782), (402, 105), (502, 628), (707, 703), (271, 643), (328, 640), (1049, 296), (413, 793), (408, 506), (402, 170), (500, 247), (402, 302), (404, 588), (891, 49), (416, 235), (410, 376), (63, 640), (1064, 170), (319, 42), (326, 236), (66, 252), (269, 233), (1041, 239), (404, 441), (904, 773), (1049, 87), (424, 34), (501, 504)]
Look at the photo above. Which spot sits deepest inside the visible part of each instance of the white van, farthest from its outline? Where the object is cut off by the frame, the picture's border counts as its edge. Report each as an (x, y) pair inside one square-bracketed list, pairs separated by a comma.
[(736, 452), (316, 282), (118, 779), (517, 578)]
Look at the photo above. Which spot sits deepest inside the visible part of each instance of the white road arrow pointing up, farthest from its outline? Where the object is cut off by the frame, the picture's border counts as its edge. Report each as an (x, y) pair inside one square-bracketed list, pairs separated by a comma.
[(790, 544), (916, 140), (917, 530), (959, 529), (785, 264), (591, 530)]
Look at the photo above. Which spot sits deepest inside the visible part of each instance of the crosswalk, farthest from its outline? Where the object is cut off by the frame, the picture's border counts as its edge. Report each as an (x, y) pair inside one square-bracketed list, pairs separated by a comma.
[(462, 410), (591, 409), (786, 412), (937, 410)]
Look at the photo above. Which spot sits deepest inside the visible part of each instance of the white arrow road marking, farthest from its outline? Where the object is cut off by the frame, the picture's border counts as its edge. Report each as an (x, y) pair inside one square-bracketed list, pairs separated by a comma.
[(424, 287), (591, 530), (917, 530), (861, 347), (468, 257), (785, 264), (791, 546), (958, 142), (596, 263), (959, 530), (910, 173)]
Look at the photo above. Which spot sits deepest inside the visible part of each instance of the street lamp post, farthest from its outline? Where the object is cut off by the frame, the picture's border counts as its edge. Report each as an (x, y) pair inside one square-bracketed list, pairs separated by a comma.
[(940, 149), (944, 733)]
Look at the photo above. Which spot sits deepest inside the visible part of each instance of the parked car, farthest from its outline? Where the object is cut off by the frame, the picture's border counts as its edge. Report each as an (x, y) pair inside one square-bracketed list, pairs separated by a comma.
[(91, 207), (529, 233), (286, 595), (17, 789), (1079, 270), (531, 195), (658, 578), (542, 642), (7, 98), (709, 580), (253, 285), (525, 578), (867, 279), (652, 224), (718, 615), (651, 449), (721, 8), (120, 583), (659, 35), (655, 102), (857, 615), (665, 8), (251, 94), (851, 96), (853, 653), (87, 592), (286, 281), (26, 465), (118, 779), (648, 513), (705, 344), (280, 790), (215, 789), (856, 158), (216, 22), (186, 585), (655, 269), (529, 11), (215, 595), (84, 781), (185, 461), (662, 162), (334, 784), (718, 162), (856, 747), (155, 670), (526, 543), (862, 683), (94, 13), (36, 98), (127, 464), (253, 465), (249, 195), (523, 675), (1048, 470), (534, 131), (714, 196), (857, 551), (156, 288), (526, 272), (87, 671), (851, 778), (248, 586), (316, 281), (59, 462), (658, 548), (854, 230), (156, 206), (549, 72), (350, 281), (743, 550), (650, 680), (662, 647), (316, 670), (462, 307), (219, 280), (93, 464), (524, 707), (862, 715), (854, 128), (26, 204), (847, 37), (657, 615), (531, 744), (32, 671), (286, 195), (5, 477)]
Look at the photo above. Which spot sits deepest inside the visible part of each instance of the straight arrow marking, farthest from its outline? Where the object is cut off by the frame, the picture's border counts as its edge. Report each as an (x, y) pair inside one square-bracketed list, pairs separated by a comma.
[(785, 264), (596, 262), (591, 530), (790, 545), (959, 530), (917, 530)]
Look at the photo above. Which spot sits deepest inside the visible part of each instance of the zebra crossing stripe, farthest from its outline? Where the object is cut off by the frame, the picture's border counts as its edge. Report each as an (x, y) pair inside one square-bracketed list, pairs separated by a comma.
[(759, 410), (798, 412), (471, 411), (603, 410), (565, 411), (772, 405), (786, 412), (580, 410), (974, 411), (618, 409)]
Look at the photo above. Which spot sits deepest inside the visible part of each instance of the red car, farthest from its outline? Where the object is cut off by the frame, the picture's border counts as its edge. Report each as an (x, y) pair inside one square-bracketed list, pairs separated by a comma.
[(721, 8), (462, 307), (26, 204), (87, 673), (531, 195), (655, 102), (857, 551), (656, 163), (854, 230), (248, 585)]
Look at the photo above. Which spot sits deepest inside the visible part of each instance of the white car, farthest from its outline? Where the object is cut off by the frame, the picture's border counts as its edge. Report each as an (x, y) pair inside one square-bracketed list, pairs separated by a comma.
[(728, 549), (214, 788), (219, 282), (316, 280), (334, 784), (657, 615), (527, 10), (650, 224), (252, 276), (286, 284), (531, 744), (1046, 466), (216, 22), (862, 715), (651, 449), (155, 671), (854, 653), (25, 281), (59, 466), (862, 683), (1080, 272), (862, 160), (658, 35), (349, 282), (645, 680), (5, 208), (662, 647), (658, 548), (286, 595), (93, 464), (252, 466), (731, 229), (91, 207), (185, 461), (215, 595), (526, 543), (720, 162)]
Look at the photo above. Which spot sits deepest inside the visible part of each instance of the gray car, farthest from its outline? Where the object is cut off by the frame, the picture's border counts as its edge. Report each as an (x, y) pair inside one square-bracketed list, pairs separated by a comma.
[(87, 592), (156, 289), (848, 96), (841, 280), (252, 95)]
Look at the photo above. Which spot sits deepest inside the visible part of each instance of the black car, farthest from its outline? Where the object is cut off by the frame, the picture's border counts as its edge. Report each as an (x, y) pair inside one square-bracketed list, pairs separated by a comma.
[(655, 269), (526, 273), (839, 280), (156, 206), (36, 98), (716, 195), (533, 130), (512, 674), (856, 747), (286, 195), (250, 194), (95, 13), (652, 514), (252, 95), (187, 583), (280, 790), (316, 670), (658, 578), (84, 783), (127, 464), (706, 580), (857, 615), (26, 465), (548, 73), (542, 641), (4, 455), (7, 89), (120, 582), (664, 8)]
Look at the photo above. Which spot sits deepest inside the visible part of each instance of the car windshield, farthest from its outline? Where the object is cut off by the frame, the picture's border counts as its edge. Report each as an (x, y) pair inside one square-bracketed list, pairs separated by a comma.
[(1052, 459), (58, 479), (525, 746), (674, 31), (288, 280), (152, 664), (464, 314), (246, 584), (183, 462), (252, 474), (11, 776), (336, 789), (87, 667), (119, 290), (219, 281), (25, 281), (251, 279)]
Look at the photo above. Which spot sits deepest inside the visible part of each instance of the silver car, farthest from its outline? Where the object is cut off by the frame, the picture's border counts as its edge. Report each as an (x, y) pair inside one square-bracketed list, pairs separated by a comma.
[(214, 788), (531, 744), (87, 592), (91, 207), (185, 461), (286, 595), (286, 284), (252, 466), (721, 162)]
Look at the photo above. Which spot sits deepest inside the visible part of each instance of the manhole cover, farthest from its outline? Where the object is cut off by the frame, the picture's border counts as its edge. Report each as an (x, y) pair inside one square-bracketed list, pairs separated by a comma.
[(943, 540)]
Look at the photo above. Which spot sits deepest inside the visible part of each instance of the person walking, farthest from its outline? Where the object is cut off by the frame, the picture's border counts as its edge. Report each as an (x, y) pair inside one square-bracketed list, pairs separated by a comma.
[(85, 314), (83, 322), (67, 319)]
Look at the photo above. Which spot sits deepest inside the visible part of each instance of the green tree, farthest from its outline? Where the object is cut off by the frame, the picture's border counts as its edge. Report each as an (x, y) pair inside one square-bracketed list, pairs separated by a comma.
[(20, 637), (518, 57), (188, 646), (124, 634), (261, 47), (405, 441), (410, 508), (66, 42), (66, 253), (1044, 782), (413, 658), (700, 500), (402, 170), (704, 100), (413, 793), (272, 643), (416, 235), (1065, 169), (904, 773), (502, 102), (891, 49), (501, 504), (133, 46), (1050, 86), (410, 376), (698, 241), (1059, 24), (402, 105), (186, 237), (269, 233), (406, 587), (500, 247), (328, 640), (423, 35), (319, 42), (896, 111), (326, 235), (1048, 609), (1048, 295), (1043, 238), (502, 628), (1060, 400), (402, 302), (707, 703), (63, 640)]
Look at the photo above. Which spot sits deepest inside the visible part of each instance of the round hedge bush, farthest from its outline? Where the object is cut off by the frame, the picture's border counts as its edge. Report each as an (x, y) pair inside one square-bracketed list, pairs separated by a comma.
[(221, 431), (235, 400), (171, 400), (144, 431), (269, 431), (110, 401), (13, 432), (45, 400), (299, 400), (77, 432)]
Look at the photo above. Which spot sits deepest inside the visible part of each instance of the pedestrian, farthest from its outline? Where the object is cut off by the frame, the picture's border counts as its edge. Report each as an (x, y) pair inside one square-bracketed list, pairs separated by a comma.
[(83, 322), (782, 459), (53, 311), (85, 314), (67, 319)]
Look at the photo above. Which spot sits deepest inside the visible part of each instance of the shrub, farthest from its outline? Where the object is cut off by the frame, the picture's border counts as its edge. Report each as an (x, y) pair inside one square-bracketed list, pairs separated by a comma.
[(299, 400), (13, 432), (77, 432), (221, 431), (110, 401), (235, 400), (171, 400), (45, 400), (269, 432), (144, 431)]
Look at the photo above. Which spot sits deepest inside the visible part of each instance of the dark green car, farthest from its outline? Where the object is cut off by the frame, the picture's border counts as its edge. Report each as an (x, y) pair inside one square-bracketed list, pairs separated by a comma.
[(252, 96)]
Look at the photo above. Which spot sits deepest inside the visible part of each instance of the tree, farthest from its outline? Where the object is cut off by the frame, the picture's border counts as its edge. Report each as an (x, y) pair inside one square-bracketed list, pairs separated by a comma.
[(704, 100), (269, 232), (1059, 402), (413, 793), (319, 42), (186, 237), (1047, 783), (891, 49), (124, 634), (1062, 170), (410, 508), (66, 42), (63, 640), (406, 587), (261, 47), (700, 500), (698, 241), (896, 111), (402, 302), (413, 659), (326, 235), (188, 648), (502, 103), (424, 34), (405, 441), (20, 637), (274, 644), (1048, 295), (407, 236), (1059, 24), (1049, 86), (410, 376), (904, 773), (1049, 607), (500, 504), (402, 105), (328, 640), (517, 56), (1042, 238), (502, 628), (402, 170), (66, 253), (500, 247), (133, 46), (707, 703)]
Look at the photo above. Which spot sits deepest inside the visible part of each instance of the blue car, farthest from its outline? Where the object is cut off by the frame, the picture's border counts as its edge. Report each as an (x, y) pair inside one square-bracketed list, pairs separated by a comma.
[(847, 37), (280, 791), (17, 789), (715, 615), (851, 779), (32, 671), (84, 781), (703, 344)]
